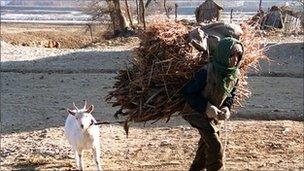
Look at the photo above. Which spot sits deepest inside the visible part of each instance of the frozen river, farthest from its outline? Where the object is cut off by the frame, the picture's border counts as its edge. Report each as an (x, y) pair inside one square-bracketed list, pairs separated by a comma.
[(69, 15)]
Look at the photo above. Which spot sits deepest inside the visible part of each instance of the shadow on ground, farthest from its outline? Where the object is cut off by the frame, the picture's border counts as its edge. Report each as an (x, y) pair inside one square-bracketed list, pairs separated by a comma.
[(35, 94)]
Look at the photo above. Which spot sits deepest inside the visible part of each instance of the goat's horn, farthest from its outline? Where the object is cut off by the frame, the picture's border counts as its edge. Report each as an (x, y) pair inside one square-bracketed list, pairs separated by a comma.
[(85, 104), (75, 106)]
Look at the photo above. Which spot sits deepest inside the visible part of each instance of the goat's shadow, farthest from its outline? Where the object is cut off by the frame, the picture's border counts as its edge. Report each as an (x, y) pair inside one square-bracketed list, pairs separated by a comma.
[(36, 163), (36, 93)]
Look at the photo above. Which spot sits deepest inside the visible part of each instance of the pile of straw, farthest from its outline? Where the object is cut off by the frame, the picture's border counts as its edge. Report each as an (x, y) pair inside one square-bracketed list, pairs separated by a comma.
[(164, 62)]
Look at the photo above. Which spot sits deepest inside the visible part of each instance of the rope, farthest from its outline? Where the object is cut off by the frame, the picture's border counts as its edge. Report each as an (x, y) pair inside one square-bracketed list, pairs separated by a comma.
[(225, 143), (107, 122)]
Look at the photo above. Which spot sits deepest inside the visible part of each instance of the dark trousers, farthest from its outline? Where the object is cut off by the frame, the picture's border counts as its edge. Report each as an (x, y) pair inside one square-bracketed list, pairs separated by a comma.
[(209, 154)]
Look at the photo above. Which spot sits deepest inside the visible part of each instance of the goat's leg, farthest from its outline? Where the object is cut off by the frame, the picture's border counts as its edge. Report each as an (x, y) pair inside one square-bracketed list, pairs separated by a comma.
[(80, 160), (96, 155), (76, 158)]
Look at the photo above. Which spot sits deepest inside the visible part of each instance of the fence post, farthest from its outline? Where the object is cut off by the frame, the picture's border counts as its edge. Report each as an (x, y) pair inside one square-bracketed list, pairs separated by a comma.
[(260, 5), (176, 6), (231, 17)]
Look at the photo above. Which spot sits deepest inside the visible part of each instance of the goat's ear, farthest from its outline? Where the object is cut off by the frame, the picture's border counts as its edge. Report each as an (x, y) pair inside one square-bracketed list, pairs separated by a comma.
[(71, 112), (90, 109)]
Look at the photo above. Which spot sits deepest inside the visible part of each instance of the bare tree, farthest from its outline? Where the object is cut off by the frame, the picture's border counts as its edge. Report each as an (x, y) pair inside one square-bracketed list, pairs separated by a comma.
[(142, 12), (166, 9), (90, 29), (118, 20), (137, 11), (129, 13), (110, 11), (97, 11)]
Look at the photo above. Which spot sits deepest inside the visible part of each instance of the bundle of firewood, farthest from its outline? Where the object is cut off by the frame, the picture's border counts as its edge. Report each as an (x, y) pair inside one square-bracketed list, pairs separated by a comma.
[(151, 88)]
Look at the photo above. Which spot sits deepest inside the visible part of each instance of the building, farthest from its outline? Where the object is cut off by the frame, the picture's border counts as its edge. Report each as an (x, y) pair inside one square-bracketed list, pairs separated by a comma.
[(208, 11)]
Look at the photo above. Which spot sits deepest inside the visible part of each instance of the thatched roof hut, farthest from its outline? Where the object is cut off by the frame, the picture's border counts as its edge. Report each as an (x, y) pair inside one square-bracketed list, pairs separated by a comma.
[(273, 19), (293, 16), (285, 17), (208, 11)]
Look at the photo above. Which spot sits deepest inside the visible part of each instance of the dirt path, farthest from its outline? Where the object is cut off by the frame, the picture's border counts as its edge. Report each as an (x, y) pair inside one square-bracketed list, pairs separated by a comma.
[(38, 84), (263, 145)]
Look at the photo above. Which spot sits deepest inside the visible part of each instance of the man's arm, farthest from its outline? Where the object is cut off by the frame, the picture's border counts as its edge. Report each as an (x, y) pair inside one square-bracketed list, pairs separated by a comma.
[(228, 104), (229, 100)]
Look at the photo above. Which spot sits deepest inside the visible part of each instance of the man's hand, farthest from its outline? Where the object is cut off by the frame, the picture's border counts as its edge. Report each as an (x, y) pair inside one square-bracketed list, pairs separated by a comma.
[(225, 113), (212, 111)]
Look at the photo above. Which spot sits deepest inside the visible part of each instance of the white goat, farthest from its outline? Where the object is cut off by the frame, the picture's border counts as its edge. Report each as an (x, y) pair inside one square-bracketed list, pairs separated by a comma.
[(82, 133)]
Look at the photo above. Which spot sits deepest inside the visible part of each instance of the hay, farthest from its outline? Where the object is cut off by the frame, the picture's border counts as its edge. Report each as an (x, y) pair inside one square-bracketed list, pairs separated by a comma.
[(164, 62)]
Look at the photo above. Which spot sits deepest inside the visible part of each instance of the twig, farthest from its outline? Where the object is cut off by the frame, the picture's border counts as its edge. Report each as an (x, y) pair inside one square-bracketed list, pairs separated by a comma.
[(129, 77), (155, 94), (151, 73)]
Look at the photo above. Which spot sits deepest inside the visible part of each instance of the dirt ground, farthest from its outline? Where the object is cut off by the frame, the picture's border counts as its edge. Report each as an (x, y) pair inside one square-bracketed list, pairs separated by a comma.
[(38, 84), (71, 37)]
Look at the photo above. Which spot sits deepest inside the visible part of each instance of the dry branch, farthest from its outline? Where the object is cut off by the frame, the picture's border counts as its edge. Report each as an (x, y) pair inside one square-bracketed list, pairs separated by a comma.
[(164, 62)]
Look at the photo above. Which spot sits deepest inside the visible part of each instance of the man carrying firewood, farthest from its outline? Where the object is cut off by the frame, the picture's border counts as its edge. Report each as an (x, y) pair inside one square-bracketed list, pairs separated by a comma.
[(209, 96)]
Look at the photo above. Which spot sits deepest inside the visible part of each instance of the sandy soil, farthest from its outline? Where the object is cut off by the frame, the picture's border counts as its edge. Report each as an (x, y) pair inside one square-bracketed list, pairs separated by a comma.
[(37, 84), (73, 37), (263, 145)]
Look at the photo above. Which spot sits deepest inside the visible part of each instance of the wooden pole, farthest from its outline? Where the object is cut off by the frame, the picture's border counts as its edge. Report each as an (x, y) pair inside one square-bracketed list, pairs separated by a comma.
[(231, 15), (137, 11), (91, 32), (176, 6), (166, 9), (89, 27), (143, 13), (260, 5), (128, 12)]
